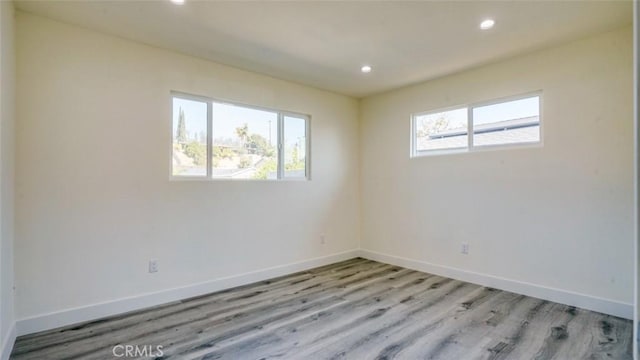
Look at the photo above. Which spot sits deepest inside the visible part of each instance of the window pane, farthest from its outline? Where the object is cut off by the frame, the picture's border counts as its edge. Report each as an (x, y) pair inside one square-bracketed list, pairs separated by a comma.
[(509, 122), (244, 143), (443, 130), (295, 147), (189, 138)]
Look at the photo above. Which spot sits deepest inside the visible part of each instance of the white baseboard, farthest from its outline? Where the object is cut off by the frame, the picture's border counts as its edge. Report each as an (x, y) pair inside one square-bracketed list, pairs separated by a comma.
[(588, 302), (7, 343), (96, 311)]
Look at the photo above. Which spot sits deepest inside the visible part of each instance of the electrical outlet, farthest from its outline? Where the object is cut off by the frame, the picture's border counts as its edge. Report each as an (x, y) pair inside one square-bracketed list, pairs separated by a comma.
[(464, 248), (323, 239), (153, 266)]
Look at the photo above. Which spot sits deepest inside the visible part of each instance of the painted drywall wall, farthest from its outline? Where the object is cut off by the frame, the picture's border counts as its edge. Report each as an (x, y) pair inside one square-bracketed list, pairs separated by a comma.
[(94, 201), (7, 134), (557, 216)]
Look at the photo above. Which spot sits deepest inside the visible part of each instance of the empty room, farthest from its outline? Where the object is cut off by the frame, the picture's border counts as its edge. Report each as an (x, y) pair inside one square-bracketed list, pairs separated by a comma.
[(189, 179)]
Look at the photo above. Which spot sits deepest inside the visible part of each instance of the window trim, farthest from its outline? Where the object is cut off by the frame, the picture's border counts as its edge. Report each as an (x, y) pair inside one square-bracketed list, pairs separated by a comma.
[(471, 148), (209, 166)]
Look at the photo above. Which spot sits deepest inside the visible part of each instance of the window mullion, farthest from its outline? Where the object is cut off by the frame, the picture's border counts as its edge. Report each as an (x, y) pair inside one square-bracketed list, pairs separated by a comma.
[(307, 148), (209, 139), (414, 137), (280, 146), (470, 128)]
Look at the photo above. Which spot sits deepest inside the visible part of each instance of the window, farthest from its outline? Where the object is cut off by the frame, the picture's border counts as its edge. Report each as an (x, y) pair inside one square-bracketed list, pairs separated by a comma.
[(220, 140), (509, 122), (295, 138), (497, 123), (442, 130), (244, 142), (189, 137)]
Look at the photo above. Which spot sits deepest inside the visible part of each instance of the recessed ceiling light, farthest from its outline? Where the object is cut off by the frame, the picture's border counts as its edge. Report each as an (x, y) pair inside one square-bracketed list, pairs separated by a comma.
[(178, 2), (487, 24), (366, 69)]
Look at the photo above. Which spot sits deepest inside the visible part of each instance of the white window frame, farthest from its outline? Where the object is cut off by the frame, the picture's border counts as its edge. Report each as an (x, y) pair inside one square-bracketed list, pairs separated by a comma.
[(415, 153), (280, 141)]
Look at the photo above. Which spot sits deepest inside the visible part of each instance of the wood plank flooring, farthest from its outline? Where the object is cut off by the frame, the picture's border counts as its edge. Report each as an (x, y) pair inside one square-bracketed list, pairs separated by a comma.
[(356, 309)]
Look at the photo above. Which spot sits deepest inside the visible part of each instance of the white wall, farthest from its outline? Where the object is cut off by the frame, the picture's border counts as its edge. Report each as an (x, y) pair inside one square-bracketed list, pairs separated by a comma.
[(558, 216), (94, 201), (7, 134)]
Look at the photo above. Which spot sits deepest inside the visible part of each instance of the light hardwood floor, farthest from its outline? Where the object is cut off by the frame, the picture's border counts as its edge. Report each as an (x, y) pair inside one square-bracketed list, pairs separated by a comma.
[(356, 309)]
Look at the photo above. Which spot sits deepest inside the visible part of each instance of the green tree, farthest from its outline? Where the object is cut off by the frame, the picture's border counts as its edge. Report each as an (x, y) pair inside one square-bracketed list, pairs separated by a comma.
[(244, 162), (197, 151), (181, 132), (433, 126), (295, 163), (267, 167), (222, 152), (243, 134), (257, 144)]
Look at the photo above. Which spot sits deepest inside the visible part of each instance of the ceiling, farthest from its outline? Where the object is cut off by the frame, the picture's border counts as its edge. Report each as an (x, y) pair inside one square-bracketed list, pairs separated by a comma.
[(324, 43)]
